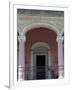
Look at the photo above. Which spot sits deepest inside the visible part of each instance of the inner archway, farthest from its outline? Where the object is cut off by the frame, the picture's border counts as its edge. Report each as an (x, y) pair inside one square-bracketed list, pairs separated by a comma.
[(40, 61)]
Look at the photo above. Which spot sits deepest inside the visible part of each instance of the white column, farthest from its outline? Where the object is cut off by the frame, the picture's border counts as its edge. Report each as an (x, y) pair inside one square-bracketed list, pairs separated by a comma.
[(60, 56), (21, 67)]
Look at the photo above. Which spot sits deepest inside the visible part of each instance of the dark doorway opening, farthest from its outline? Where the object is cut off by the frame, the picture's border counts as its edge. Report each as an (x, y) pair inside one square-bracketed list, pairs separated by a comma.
[(40, 66)]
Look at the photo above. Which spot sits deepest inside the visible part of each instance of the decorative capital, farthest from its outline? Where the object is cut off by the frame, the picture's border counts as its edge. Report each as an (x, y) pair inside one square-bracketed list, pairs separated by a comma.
[(59, 38), (22, 38)]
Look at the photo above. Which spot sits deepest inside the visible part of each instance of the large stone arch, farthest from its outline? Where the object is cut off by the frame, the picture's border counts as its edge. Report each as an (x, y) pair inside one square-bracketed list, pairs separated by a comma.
[(59, 39)]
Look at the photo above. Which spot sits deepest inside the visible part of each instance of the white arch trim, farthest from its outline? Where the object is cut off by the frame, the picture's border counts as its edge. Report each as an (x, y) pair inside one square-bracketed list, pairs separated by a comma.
[(37, 25), (40, 44)]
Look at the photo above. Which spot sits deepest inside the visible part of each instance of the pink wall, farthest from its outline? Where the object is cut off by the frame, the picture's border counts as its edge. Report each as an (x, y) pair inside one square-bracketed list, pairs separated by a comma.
[(41, 35)]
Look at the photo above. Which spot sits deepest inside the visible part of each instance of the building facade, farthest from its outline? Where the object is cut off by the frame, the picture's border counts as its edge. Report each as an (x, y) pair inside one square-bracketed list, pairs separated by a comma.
[(40, 53)]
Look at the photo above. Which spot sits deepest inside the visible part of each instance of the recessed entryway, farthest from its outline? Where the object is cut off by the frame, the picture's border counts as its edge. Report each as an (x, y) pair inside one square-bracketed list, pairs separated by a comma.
[(40, 61)]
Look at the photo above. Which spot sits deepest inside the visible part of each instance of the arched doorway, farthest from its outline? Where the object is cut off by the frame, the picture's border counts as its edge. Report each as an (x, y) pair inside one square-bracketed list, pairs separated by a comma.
[(40, 42), (40, 61)]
